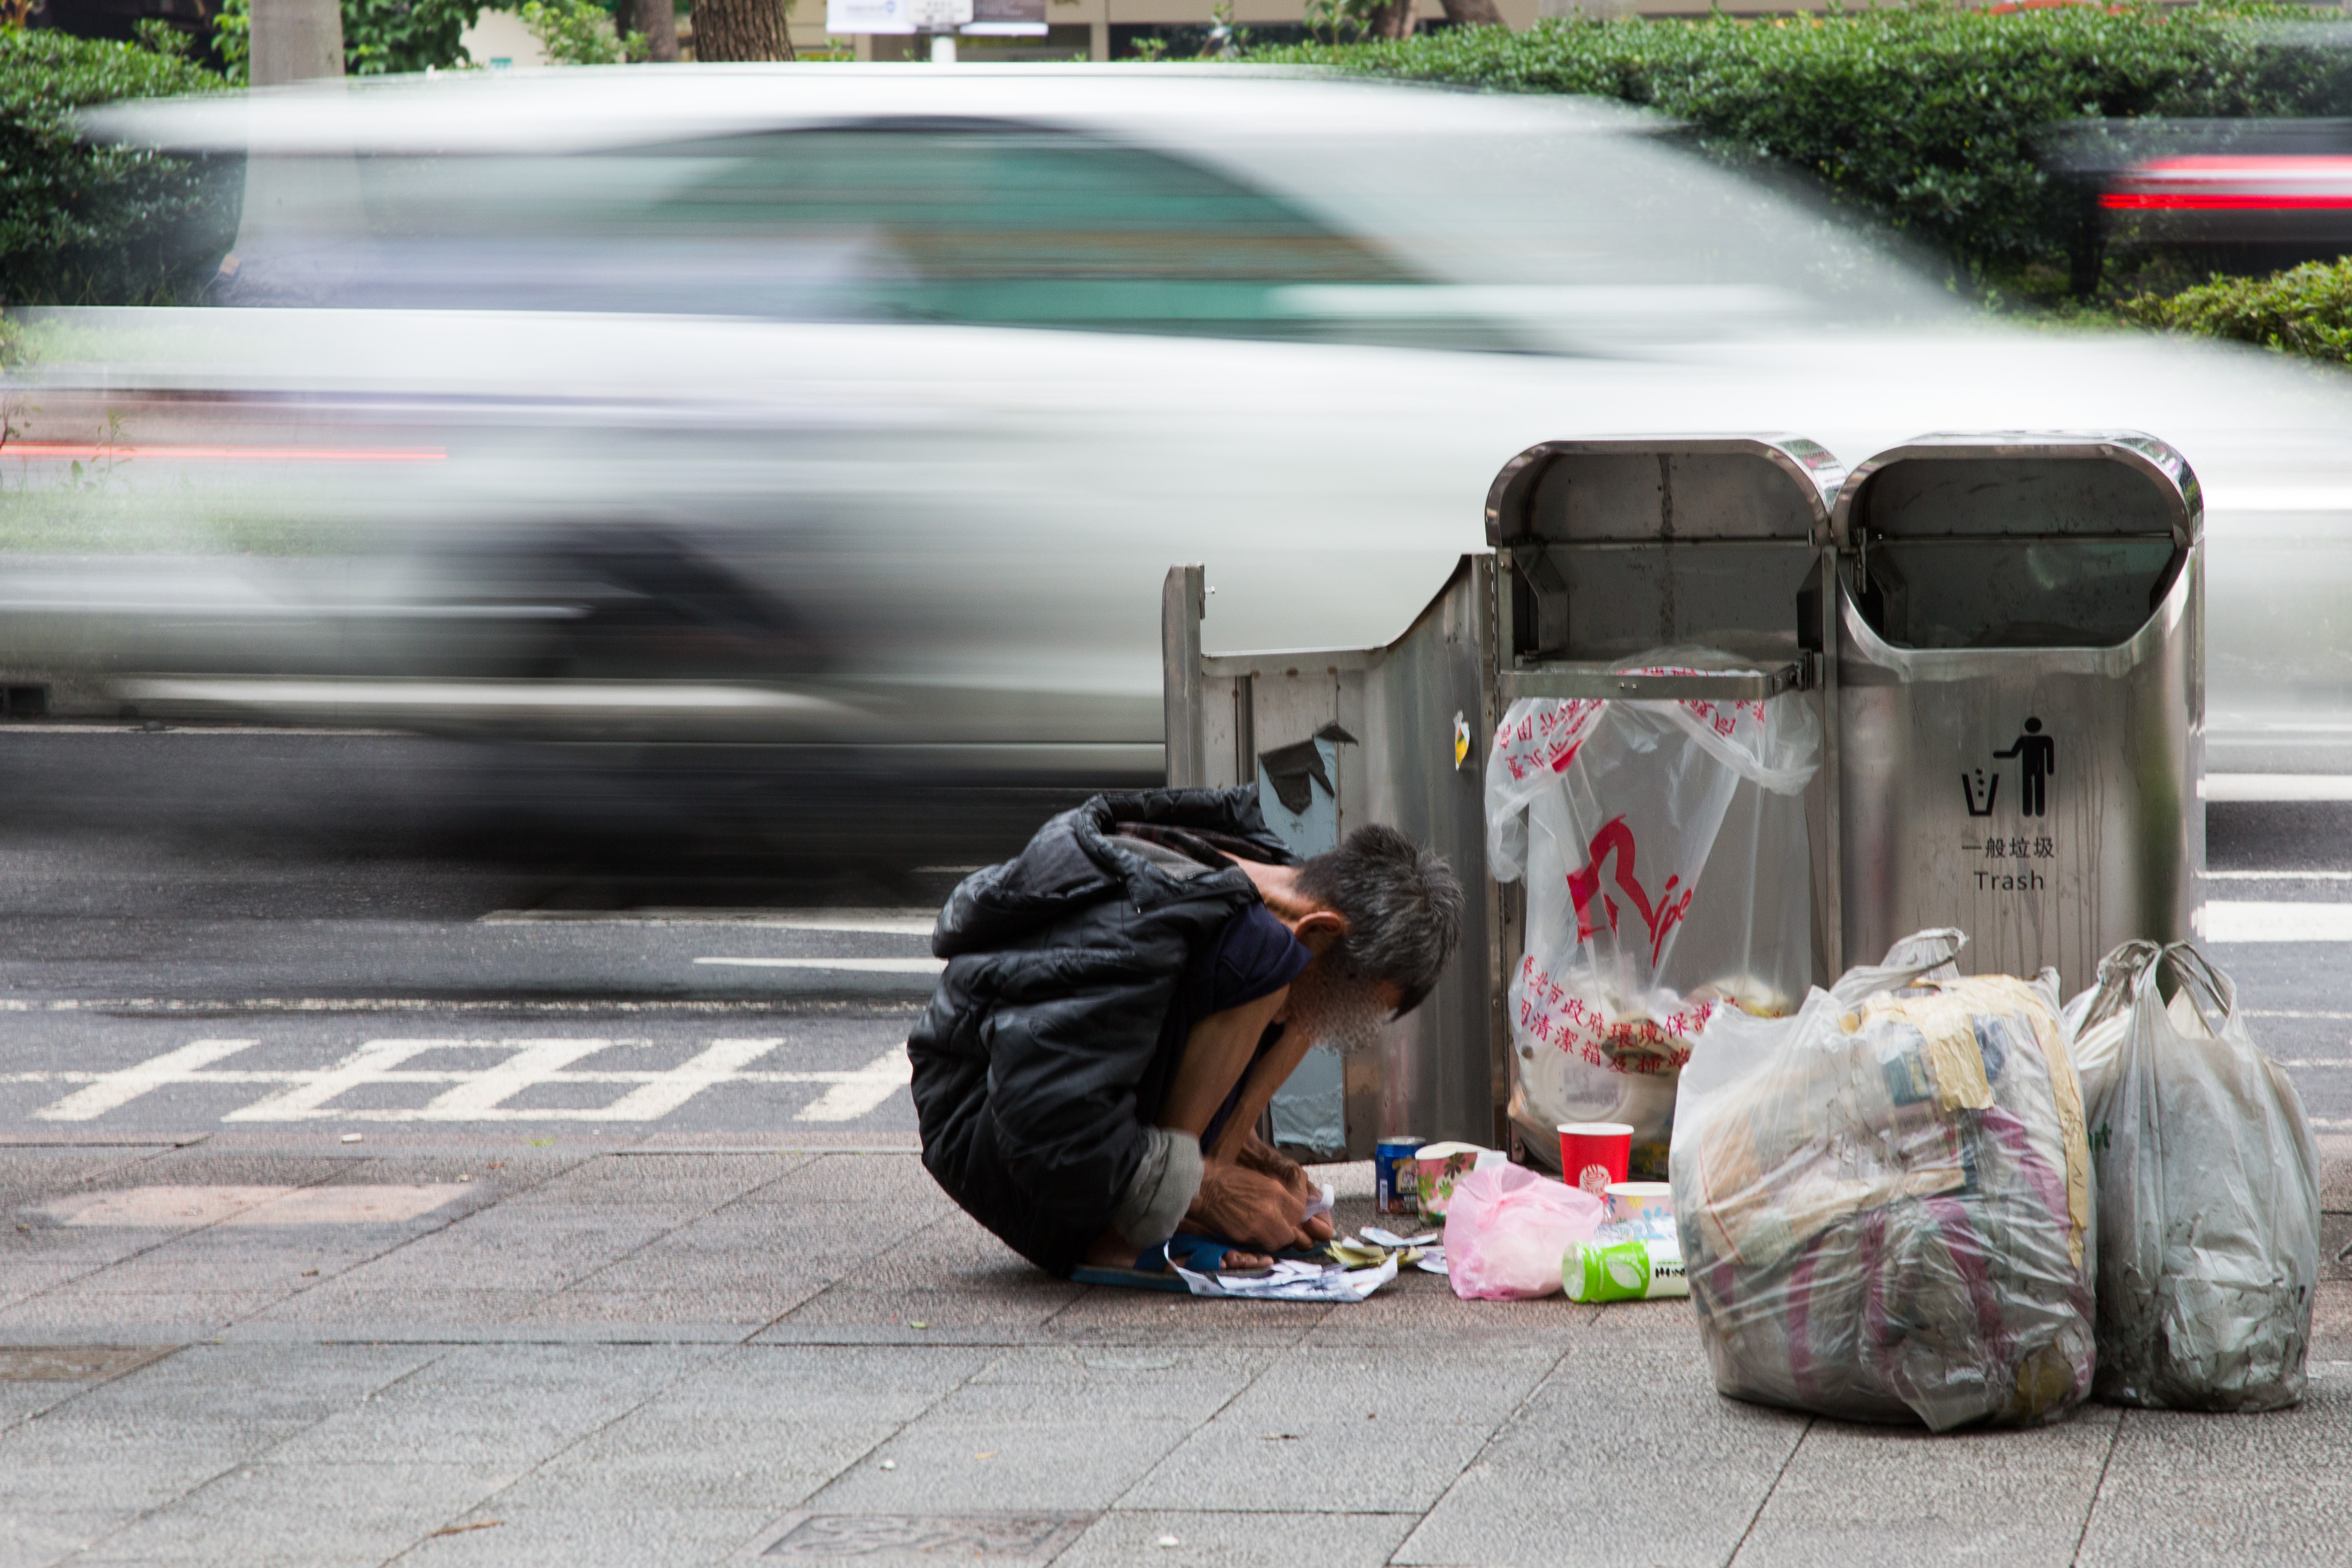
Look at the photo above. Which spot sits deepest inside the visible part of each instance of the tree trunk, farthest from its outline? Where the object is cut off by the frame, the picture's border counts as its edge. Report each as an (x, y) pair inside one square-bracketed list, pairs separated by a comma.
[(1397, 19), (295, 40), (1473, 13), (658, 20), (741, 30)]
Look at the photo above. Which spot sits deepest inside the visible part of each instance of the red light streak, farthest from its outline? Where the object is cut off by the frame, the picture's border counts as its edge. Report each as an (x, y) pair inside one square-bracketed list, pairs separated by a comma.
[(2235, 185)]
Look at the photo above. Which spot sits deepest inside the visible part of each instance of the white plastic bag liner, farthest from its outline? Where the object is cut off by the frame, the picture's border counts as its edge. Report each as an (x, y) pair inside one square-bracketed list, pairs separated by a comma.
[(2209, 1197), (1668, 877), (1884, 1201)]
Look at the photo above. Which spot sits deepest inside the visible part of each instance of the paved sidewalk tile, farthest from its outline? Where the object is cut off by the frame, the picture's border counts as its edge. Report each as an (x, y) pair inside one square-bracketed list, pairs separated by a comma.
[(1350, 1430), (1893, 1497), (2269, 1488), (33, 1537), (1109, 1314), (1160, 1383), (763, 1426), (589, 1537), (945, 1464), (1624, 1455), (597, 1358), (299, 1512), (673, 1459), (341, 1309), (508, 1404), (948, 1273), (1125, 1537)]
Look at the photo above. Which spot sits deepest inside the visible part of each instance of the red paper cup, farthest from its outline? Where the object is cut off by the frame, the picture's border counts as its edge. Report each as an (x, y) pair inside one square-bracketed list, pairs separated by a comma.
[(1594, 1153)]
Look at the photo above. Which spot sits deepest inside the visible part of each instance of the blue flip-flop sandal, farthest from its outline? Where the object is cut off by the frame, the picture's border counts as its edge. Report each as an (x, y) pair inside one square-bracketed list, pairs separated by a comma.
[(1155, 1268)]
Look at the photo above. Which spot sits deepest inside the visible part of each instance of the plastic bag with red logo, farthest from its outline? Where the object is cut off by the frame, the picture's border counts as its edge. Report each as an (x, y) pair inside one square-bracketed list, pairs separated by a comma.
[(1668, 877)]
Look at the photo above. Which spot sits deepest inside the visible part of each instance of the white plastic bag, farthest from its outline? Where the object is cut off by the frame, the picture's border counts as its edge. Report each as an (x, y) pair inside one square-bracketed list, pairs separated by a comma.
[(1668, 877), (2209, 1197), (2095, 1045), (1507, 1230), (1884, 1201)]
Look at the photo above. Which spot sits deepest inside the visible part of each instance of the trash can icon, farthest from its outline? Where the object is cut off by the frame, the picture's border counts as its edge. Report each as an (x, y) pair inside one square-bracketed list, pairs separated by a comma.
[(2020, 697)]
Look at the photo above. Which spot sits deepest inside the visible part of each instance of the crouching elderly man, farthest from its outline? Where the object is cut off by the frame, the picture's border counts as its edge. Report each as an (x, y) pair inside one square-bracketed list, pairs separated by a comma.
[(1121, 1002)]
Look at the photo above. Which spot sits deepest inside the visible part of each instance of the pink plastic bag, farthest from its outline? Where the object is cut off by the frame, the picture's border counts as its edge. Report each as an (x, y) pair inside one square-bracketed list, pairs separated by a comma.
[(1507, 1229)]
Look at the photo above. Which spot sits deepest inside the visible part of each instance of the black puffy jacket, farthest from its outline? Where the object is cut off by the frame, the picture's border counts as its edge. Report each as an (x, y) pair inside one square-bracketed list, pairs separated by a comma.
[(1042, 1057)]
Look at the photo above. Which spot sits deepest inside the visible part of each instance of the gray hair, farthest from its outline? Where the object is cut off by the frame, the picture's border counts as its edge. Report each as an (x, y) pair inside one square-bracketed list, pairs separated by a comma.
[(1403, 905)]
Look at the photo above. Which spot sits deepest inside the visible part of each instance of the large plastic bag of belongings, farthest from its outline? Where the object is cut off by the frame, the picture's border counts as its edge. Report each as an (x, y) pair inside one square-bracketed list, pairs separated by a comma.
[(2209, 1194), (1668, 878), (1886, 1201)]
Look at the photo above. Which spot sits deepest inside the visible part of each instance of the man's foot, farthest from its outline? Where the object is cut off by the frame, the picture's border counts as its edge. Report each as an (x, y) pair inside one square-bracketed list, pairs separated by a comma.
[(1112, 1251)]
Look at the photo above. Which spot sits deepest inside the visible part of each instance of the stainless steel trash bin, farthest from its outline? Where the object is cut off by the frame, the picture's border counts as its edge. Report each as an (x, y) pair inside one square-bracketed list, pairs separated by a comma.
[(1336, 738), (1609, 549), (2019, 693)]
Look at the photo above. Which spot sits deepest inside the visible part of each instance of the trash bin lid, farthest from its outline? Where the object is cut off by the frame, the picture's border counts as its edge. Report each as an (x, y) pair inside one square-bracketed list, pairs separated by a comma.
[(2087, 485), (1648, 488)]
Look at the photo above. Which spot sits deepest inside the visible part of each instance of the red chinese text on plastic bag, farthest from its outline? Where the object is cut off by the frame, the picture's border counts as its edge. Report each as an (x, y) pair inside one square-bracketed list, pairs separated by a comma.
[(1509, 1228)]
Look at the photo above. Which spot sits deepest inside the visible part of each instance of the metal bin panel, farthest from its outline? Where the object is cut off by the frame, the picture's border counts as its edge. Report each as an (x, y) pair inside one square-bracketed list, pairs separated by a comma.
[(1389, 719), (2021, 740)]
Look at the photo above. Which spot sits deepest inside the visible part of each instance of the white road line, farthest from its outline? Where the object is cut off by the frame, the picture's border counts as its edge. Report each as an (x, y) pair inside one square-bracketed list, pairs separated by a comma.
[(718, 1064), (2235, 786), (484, 1091), (2278, 876), (862, 1091), (113, 1090), (165, 1006), (365, 1065), (858, 966), (475, 1094), (2226, 920), (2313, 1061), (868, 922), (2298, 1013)]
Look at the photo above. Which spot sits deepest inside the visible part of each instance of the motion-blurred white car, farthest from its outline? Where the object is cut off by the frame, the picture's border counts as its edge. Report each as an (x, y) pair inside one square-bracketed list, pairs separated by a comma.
[(863, 409)]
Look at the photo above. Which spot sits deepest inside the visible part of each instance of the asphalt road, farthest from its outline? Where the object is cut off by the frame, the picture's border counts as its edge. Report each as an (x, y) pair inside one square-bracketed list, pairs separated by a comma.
[(252, 929)]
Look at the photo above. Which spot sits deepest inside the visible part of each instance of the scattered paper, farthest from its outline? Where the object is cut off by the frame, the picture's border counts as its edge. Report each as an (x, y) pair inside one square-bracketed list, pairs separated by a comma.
[(1354, 1254), (1433, 1260), (1319, 1203), (1290, 1281), (1390, 1238)]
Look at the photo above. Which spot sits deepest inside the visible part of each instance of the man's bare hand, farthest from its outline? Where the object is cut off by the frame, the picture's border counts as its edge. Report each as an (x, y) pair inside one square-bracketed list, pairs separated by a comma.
[(1252, 1209), (1258, 1155)]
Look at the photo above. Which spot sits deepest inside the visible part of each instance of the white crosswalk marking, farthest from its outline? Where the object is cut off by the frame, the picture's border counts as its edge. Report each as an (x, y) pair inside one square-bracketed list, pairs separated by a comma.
[(473, 1093), (862, 1091), (114, 1089), (308, 1099), (854, 965), (2235, 921), (484, 1093), (723, 1062)]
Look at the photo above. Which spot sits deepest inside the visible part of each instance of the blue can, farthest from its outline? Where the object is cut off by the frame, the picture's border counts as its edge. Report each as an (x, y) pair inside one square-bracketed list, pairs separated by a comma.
[(1395, 1186)]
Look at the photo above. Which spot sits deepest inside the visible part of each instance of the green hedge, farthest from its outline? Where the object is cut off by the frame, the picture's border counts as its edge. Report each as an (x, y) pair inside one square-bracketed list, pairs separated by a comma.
[(1926, 117), (2305, 311), (84, 224)]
